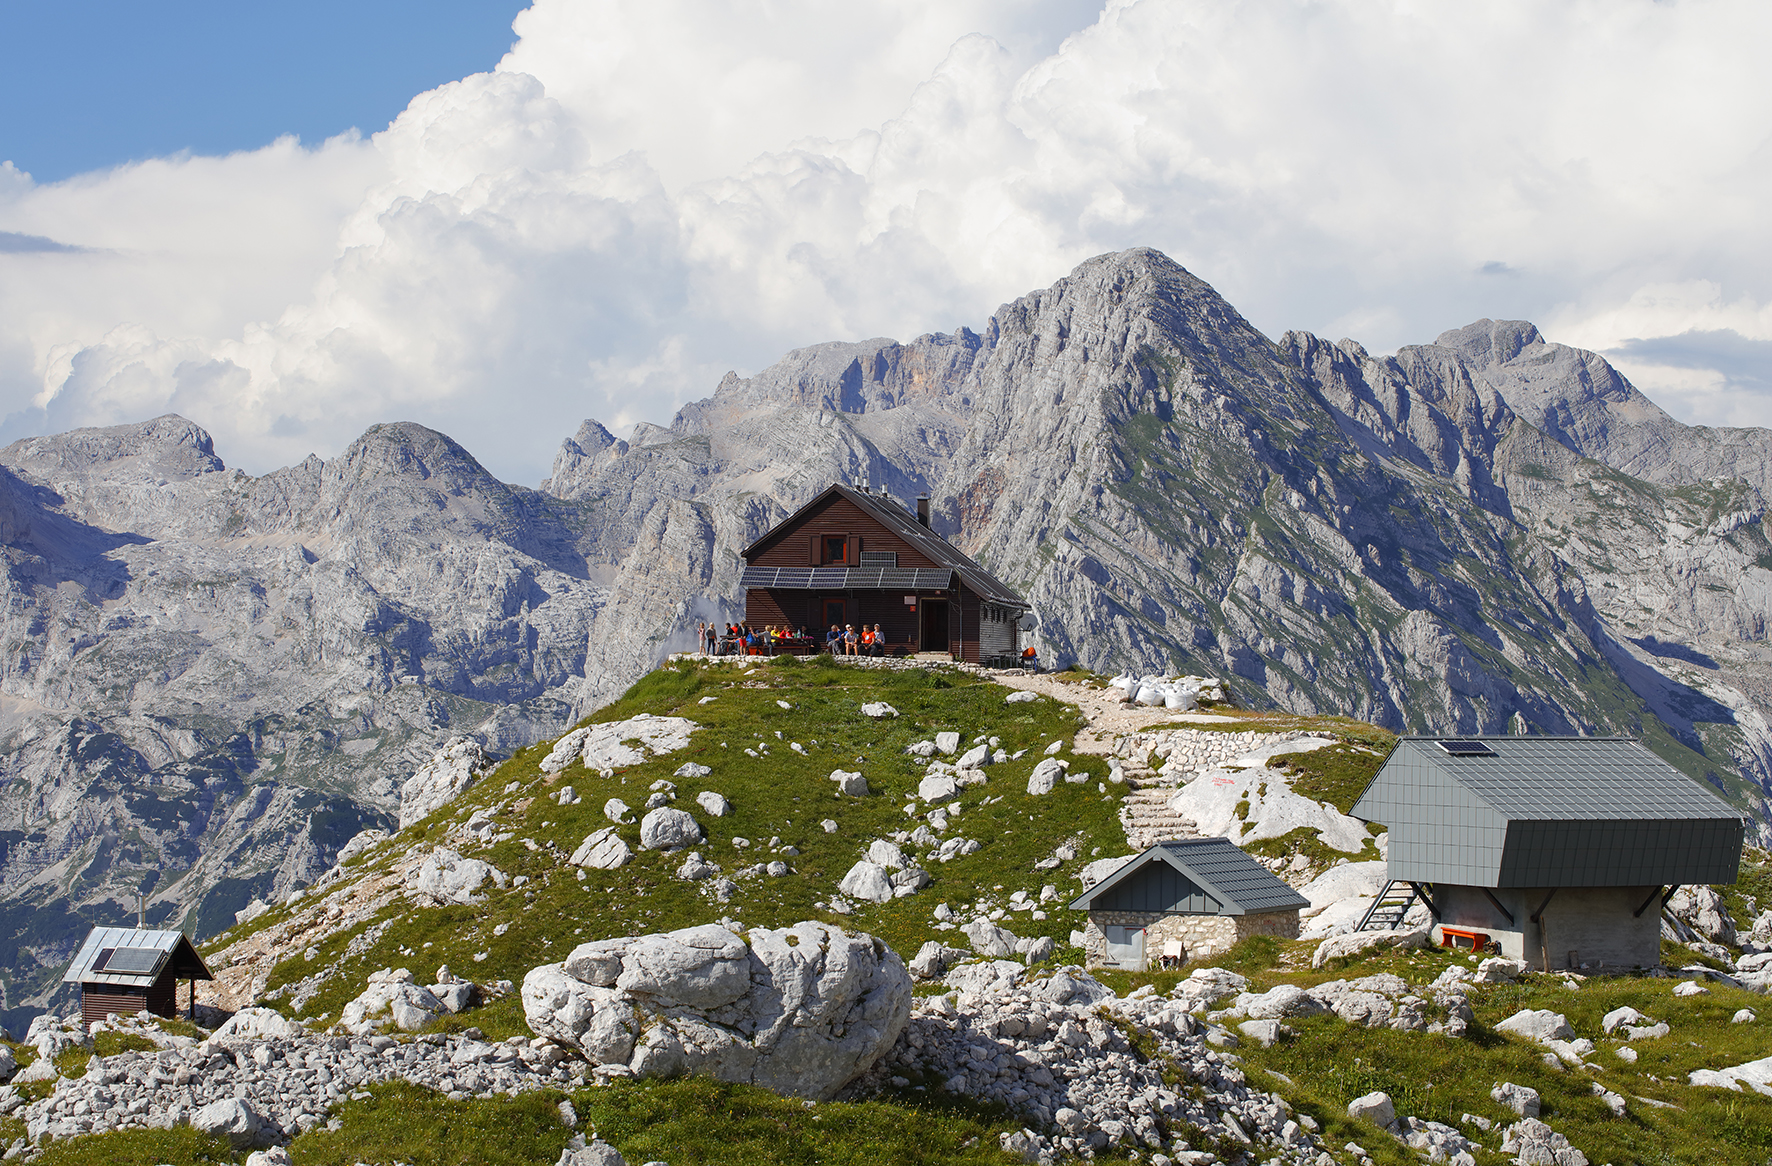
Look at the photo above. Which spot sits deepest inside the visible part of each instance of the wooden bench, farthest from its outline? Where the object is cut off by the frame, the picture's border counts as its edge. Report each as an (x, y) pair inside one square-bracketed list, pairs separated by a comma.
[(1476, 940)]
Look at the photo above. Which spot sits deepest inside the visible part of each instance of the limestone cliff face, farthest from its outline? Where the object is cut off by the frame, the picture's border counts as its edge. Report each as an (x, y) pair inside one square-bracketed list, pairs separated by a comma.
[(209, 681)]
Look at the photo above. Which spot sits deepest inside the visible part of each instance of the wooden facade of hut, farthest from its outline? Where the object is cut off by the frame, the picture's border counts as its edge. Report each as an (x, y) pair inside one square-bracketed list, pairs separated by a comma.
[(854, 557)]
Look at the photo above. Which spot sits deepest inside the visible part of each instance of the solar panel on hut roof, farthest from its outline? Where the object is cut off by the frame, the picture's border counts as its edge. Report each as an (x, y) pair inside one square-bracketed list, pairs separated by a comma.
[(1467, 748), (133, 961)]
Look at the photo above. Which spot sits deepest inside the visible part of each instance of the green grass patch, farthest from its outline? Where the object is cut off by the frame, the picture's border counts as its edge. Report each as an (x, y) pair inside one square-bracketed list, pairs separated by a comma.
[(182, 1147), (402, 1122), (686, 1122), (698, 1122)]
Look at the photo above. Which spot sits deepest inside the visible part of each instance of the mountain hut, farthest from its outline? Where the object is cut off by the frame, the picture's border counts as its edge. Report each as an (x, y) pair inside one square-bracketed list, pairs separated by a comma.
[(127, 970), (1559, 851), (1183, 900), (853, 557)]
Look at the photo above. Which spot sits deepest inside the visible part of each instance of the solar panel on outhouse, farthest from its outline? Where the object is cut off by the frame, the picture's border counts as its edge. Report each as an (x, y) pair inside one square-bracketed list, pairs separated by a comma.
[(1548, 812), (134, 958), (1192, 876)]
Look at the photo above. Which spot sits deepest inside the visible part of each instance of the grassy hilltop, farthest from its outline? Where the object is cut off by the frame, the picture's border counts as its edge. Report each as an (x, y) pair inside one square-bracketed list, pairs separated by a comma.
[(780, 799)]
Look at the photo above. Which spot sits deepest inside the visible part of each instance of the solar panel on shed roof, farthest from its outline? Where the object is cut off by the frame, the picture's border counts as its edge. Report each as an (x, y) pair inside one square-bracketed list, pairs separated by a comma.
[(133, 961), (1467, 748)]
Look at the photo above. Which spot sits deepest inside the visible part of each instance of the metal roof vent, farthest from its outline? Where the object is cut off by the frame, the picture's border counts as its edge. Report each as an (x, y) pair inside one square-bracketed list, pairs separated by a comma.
[(1466, 748)]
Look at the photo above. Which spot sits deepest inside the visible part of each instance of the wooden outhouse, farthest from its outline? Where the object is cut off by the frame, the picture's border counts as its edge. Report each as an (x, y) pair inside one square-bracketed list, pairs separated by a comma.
[(854, 557), (1559, 851), (1183, 900), (128, 970)]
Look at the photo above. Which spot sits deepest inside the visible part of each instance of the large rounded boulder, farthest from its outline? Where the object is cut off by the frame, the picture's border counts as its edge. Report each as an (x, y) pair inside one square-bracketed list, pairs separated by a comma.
[(802, 1010)]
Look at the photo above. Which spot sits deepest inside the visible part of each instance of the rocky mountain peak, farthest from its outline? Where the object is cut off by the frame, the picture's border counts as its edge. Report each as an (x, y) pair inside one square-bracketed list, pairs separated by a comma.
[(168, 447), (1488, 342)]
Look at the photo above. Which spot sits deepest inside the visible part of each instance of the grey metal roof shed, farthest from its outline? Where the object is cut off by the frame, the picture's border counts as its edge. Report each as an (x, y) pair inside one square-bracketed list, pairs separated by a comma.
[(127, 969), (1548, 812), (1192, 876)]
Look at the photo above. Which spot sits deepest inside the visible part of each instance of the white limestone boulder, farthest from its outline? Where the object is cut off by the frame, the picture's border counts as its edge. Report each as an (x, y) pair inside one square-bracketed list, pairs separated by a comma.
[(714, 804), (360, 841), (1021, 696), (618, 811), (867, 880), (1496, 970), (668, 829), (878, 710), (602, 850), (1705, 912), (254, 1024), (1361, 942), (947, 742), (1522, 1099), (1045, 776), (621, 743), (850, 782), (989, 940), (886, 854), (1538, 1024), (391, 997), (937, 788), (445, 877), (974, 757), (801, 1010), (1278, 1003), (452, 770), (229, 1118), (1376, 1108)]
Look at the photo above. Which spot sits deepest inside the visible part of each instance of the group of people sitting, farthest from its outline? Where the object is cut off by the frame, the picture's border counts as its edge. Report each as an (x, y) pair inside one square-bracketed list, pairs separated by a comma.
[(740, 639), (846, 641)]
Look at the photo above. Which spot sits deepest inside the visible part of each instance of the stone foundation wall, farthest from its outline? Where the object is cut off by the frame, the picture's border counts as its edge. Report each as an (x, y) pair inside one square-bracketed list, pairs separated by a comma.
[(1202, 936)]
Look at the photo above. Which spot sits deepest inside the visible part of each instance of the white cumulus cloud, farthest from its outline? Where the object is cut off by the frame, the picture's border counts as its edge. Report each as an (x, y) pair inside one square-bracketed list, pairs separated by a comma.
[(643, 195)]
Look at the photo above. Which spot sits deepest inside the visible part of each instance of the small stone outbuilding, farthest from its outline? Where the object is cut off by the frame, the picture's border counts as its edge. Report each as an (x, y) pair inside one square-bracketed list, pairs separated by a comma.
[(1193, 897), (127, 970), (1559, 851)]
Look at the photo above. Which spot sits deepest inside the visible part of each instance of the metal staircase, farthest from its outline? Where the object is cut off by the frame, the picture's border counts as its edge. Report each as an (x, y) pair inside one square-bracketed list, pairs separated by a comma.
[(1387, 911)]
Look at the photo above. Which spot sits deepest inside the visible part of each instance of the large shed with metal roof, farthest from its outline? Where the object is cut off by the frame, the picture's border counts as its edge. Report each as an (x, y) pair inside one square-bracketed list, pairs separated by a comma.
[(852, 556), (1181, 900), (1560, 851), (127, 970)]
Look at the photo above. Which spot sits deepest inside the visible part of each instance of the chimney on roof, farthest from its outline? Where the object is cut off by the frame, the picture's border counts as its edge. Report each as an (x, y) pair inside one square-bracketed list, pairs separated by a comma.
[(923, 509)]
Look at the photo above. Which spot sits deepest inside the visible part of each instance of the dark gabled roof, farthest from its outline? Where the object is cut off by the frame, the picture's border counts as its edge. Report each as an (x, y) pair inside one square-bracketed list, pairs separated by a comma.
[(125, 955), (1548, 811), (1216, 878), (905, 525)]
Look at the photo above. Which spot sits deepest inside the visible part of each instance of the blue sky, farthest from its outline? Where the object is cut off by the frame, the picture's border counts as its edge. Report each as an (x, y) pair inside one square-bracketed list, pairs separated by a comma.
[(88, 84)]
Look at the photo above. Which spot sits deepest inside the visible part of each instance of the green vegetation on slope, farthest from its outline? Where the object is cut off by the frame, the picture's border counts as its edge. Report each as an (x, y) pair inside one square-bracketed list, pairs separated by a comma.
[(781, 795)]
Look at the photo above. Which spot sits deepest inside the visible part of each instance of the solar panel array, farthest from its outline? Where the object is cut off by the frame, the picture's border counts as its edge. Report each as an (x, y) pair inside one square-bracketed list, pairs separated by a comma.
[(133, 961), (848, 578), (1467, 748)]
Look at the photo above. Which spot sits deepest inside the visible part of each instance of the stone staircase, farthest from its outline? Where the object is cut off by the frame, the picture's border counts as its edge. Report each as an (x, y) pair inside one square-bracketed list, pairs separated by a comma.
[(1145, 813)]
